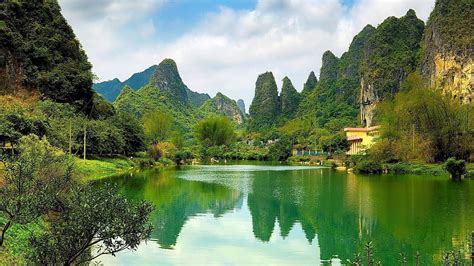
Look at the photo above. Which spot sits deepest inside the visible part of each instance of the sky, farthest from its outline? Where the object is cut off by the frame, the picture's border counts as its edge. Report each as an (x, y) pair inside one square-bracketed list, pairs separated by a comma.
[(223, 45)]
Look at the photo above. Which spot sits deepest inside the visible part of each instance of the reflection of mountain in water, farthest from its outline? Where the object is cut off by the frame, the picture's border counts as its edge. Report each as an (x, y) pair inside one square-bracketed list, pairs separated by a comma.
[(398, 213), (176, 200), (346, 211)]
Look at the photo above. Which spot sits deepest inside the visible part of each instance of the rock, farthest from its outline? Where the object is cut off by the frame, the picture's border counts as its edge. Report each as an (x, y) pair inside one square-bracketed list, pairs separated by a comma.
[(241, 105), (448, 49), (167, 79)]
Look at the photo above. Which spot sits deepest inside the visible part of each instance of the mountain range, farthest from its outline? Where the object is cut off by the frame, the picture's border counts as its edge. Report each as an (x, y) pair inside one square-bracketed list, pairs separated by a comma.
[(378, 60), (346, 93)]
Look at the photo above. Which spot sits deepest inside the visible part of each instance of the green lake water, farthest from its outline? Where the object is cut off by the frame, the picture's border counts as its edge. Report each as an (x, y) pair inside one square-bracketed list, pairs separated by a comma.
[(274, 214)]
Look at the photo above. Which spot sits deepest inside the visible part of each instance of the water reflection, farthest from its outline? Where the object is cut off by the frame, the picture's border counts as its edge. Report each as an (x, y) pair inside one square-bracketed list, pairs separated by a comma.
[(286, 207), (177, 200)]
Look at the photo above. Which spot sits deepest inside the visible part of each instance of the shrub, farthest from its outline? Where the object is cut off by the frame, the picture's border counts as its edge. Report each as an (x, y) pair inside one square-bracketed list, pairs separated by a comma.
[(469, 174), (299, 158), (165, 161), (162, 149), (399, 168), (183, 155), (368, 167), (144, 162), (154, 152), (456, 168)]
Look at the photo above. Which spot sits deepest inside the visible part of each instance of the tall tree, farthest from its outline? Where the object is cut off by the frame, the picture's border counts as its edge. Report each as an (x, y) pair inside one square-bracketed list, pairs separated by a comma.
[(215, 131), (157, 126)]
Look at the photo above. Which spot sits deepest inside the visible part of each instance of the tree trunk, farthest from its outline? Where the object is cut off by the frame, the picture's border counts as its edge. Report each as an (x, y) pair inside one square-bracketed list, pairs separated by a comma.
[(70, 137), (4, 230), (85, 136)]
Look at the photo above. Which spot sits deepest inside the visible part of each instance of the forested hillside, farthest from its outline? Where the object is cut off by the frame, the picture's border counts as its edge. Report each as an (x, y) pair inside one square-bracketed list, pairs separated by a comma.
[(40, 54), (166, 92), (350, 87), (223, 105)]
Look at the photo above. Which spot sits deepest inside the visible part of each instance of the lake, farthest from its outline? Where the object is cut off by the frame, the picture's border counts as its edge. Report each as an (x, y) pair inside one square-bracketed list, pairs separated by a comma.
[(276, 214)]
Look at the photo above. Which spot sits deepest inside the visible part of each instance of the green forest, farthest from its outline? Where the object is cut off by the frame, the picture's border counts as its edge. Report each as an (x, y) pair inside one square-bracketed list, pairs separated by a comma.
[(59, 131)]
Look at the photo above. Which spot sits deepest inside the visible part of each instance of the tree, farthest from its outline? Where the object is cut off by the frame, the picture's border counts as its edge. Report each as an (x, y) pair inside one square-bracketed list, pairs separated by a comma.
[(215, 131), (157, 126), (430, 125), (334, 143), (103, 137), (132, 132), (33, 183), (98, 221), (456, 168), (281, 150)]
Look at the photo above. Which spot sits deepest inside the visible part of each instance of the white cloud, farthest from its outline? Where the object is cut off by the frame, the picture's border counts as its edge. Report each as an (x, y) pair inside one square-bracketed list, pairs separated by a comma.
[(228, 49)]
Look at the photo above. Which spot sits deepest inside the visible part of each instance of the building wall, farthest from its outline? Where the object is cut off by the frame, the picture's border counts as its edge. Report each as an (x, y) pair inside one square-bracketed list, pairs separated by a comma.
[(368, 139)]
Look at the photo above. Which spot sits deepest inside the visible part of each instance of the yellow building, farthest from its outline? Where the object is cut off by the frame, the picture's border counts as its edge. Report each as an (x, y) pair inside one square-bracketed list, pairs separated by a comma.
[(361, 138)]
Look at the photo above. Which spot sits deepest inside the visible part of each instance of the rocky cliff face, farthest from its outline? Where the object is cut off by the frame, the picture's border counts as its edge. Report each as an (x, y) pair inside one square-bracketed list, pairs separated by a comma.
[(290, 99), (241, 105), (223, 105), (265, 107), (448, 49), (167, 79), (389, 56)]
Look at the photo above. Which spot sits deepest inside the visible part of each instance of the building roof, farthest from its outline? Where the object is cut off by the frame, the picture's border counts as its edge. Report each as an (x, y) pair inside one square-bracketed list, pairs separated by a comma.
[(353, 138), (361, 129)]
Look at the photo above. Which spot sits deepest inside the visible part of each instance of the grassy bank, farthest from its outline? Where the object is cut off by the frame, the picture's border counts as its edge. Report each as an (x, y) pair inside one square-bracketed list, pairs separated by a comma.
[(98, 168), (102, 167)]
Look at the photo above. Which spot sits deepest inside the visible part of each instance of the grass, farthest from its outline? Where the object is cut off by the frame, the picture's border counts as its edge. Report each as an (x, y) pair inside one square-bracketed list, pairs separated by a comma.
[(99, 168)]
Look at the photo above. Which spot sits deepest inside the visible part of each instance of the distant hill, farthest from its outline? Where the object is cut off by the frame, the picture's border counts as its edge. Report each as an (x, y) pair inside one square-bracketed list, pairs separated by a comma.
[(167, 92), (111, 89), (223, 105)]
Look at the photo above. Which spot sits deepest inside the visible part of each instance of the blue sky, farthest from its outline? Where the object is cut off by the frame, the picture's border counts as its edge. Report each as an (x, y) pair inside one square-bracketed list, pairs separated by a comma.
[(222, 46), (176, 17)]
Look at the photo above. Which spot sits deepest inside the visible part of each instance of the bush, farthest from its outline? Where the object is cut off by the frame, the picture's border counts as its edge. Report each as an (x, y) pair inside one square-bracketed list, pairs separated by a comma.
[(162, 149), (456, 168), (299, 158), (416, 169), (368, 167), (143, 163), (183, 155), (399, 168), (281, 150), (165, 161), (469, 174)]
